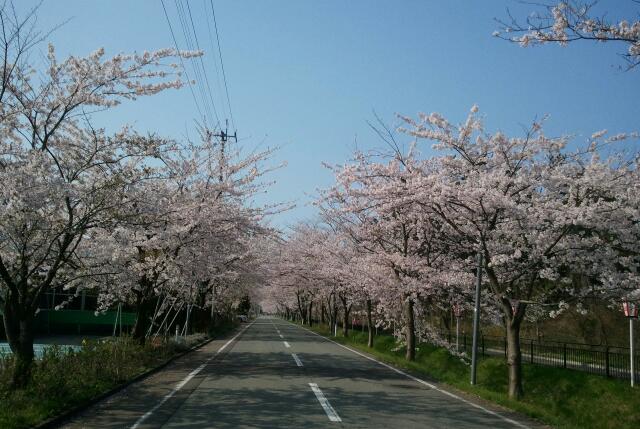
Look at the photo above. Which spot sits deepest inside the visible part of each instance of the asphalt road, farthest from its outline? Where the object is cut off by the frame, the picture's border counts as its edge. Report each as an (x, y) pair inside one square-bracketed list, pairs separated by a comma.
[(277, 375)]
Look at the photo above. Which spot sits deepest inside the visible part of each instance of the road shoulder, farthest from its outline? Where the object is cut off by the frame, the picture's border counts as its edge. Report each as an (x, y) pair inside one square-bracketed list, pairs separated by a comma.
[(168, 386)]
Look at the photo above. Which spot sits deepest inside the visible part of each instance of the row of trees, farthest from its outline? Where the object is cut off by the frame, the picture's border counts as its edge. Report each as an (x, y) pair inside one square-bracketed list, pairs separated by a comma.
[(550, 221), (160, 225)]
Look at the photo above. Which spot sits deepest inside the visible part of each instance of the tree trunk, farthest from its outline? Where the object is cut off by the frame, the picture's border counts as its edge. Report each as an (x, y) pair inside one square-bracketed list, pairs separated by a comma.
[(334, 318), (144, 307), (310, 314), (18, 322), (213, 320), (345, 322), (346, 309), (322, 311), (514, 357), (329, 314), (369, 324), (302, 308), (410, 330)]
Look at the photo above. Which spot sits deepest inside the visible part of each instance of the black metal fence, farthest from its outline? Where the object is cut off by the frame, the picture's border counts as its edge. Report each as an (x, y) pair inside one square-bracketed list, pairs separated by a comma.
[(604, 360)]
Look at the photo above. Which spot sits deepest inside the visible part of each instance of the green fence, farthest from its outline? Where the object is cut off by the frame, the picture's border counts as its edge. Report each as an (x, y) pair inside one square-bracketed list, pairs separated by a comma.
[(83, 317), (80, 321)]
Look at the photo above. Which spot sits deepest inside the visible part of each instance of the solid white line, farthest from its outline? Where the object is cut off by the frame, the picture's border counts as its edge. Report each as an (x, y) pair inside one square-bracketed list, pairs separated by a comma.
[(418, 380), (286, 344), (331, 413), (297, 359), (183, 382)]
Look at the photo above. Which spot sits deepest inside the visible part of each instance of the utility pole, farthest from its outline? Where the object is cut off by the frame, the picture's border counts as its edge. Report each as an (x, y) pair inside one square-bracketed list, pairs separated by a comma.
[(224, 136), (631, 353), (631, 311), (476, 321)]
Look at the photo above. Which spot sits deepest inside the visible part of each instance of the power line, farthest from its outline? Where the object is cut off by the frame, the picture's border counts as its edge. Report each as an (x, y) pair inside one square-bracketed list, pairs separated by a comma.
[(202, 65), (187, 37), (224, 75), (175, 42), (214, 58)]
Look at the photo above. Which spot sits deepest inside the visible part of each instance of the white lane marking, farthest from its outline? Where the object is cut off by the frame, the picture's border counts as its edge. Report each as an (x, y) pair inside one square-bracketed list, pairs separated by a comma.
[(331, 413), (286, 344), (182, 383), (418, 380), (297, 359), (281, 336)]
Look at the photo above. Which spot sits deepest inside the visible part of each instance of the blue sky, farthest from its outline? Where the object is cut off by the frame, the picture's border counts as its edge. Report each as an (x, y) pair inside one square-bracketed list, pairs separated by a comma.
[(307, 75)]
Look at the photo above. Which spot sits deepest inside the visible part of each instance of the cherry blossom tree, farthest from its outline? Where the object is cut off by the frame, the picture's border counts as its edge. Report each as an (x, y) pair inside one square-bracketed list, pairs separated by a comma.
[(569, 21), (297, 270), (373, 280), (554, 221), (338, 258), (540, 214), (374, 204), (61, 176), (190, 236)]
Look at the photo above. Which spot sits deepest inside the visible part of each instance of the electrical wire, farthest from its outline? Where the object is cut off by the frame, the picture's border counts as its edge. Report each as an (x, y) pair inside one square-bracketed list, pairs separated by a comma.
[(224, 75), (188, 40), (214, 58), (202, 65), (175, 42)]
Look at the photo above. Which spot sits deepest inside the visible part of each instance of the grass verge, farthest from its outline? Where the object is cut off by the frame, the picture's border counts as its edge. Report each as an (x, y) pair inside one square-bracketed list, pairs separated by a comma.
[(559, 397), (63, 380)]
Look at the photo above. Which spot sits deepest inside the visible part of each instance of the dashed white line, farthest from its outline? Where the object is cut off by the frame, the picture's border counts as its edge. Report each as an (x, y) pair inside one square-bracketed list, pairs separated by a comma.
[(182, 383), (418, 380), (331, 413), (297, 359), (286, 344), (281, 336)]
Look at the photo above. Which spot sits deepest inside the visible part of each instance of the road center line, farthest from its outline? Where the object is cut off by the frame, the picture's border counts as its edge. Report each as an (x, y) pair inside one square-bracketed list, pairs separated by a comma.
[(331, 413), (183, 382), (286, 344), (418, 380), (297, 359)]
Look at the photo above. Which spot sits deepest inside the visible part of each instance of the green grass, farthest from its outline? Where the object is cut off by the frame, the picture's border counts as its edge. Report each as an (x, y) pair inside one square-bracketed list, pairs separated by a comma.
[(62, 380), (559, 397)]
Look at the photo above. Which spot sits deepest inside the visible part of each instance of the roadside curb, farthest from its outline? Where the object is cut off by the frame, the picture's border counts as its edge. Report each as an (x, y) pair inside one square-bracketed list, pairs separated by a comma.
[(56, 421)]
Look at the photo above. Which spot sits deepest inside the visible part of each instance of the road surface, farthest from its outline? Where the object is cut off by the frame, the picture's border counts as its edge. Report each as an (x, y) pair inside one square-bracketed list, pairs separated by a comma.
[(274, 374)]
